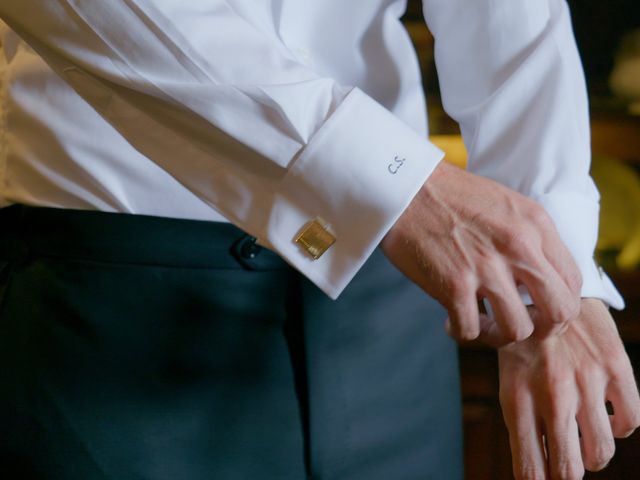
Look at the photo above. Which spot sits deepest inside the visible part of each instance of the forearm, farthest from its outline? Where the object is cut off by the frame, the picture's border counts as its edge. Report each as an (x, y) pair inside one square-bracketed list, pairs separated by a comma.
[(511, 76)]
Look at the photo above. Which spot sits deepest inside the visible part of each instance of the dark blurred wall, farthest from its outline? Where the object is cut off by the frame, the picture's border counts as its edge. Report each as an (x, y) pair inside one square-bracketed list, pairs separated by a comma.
[(599, 26)]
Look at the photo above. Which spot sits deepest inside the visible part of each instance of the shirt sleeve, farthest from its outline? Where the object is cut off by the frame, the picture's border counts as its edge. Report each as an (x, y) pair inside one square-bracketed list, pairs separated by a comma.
[(254, 132), (510, 74)]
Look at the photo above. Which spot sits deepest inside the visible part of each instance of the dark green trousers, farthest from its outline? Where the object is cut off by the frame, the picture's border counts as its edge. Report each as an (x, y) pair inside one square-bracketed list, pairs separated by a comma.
[(147, 348)]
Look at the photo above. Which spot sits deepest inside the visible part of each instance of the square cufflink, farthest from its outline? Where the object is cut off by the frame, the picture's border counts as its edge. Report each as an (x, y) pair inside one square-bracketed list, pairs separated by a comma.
[(314, 238)]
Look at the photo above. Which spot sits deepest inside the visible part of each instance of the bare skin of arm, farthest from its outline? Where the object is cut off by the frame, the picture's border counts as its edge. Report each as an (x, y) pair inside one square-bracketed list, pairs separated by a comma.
[(465, 238)]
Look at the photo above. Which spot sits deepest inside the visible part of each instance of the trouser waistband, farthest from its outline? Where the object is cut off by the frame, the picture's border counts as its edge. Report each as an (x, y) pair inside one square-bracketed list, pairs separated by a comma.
[(125, 238)]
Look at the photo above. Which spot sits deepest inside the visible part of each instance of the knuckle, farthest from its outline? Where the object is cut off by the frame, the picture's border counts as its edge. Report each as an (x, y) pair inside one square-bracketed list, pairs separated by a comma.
[(555, 381), (489, 266), (519, 244), (460, 285), (514, 334), (623, 431), (518, 332), (618, 365), (510, 335), (574, 279), (590, 373), (570, 470), (629, 431), (601, 456), (530, 473), (467, 332), (624, 428), (567, 311), (539, 216), (536, 475)]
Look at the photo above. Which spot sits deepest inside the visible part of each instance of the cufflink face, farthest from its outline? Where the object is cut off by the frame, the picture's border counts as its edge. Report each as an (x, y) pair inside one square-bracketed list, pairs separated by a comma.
[(314, 238)]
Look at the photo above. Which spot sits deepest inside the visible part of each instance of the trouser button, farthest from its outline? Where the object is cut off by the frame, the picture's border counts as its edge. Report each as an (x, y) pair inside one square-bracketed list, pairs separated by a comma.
[(245, 250)]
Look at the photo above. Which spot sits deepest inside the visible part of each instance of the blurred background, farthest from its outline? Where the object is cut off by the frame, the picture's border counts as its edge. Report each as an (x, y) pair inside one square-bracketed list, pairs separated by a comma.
[(608, 37)]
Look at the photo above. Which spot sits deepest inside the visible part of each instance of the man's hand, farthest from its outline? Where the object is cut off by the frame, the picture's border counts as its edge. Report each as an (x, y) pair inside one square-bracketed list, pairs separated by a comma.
[(465, 237), (553, 393)]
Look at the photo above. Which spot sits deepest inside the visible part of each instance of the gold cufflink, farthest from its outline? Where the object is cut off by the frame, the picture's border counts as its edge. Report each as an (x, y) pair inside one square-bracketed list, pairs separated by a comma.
[(314, 238)]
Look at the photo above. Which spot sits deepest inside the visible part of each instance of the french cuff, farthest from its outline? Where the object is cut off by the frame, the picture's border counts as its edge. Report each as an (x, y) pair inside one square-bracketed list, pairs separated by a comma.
[(345, 190), (576, 219)]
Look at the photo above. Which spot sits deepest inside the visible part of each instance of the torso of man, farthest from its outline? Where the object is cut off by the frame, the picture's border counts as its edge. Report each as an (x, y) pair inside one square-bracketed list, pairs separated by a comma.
[(56, 150)]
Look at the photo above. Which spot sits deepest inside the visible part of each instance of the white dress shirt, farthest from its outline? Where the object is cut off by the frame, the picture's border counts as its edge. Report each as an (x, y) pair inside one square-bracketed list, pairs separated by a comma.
[(272, 113)]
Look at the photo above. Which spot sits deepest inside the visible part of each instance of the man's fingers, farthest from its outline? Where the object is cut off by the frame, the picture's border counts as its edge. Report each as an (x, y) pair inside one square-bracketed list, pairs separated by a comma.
[(490, 333), (463, 322), (562, 261), (597, 443), (525, 437), (560, 399), (555, 302), (555, 250), (623, 395), (508, 310), (563, 448)]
